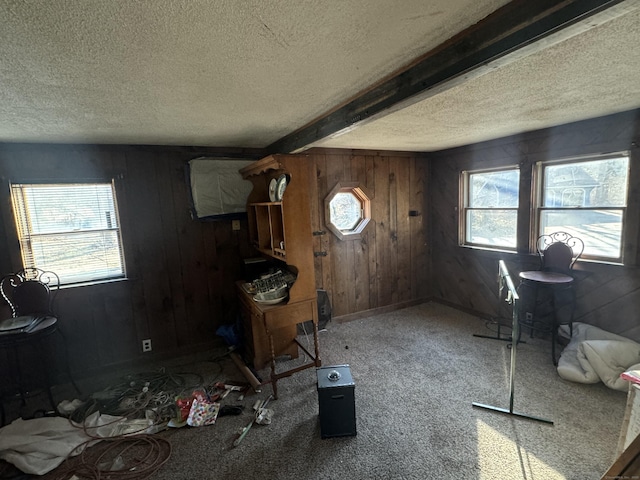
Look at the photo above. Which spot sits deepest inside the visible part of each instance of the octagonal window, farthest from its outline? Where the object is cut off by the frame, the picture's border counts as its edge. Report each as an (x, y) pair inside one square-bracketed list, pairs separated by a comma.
[(348, 210), (345, 211)]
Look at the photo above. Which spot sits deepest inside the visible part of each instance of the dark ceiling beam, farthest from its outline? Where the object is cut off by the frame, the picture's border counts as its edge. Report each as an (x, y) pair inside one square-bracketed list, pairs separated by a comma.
[(519, 28)]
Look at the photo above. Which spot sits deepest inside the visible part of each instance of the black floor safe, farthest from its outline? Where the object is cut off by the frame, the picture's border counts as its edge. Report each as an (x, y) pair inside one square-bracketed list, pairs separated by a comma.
[(336, 401)]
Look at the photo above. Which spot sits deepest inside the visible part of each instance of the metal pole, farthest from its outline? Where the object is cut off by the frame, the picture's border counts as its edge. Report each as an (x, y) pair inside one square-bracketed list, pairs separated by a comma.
[(513, 299)]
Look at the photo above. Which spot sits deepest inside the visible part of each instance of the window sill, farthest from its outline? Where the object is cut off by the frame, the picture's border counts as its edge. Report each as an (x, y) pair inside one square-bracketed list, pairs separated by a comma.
[(583, 264), (496, 250), (95, 283)]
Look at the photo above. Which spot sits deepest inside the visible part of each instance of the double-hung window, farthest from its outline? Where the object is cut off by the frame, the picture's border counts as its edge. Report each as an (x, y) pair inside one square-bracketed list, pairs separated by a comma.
[(489, 213), (72, 229), (586, 197)]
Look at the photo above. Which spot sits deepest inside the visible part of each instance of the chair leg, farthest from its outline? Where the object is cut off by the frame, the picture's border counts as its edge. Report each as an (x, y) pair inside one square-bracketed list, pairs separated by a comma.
[(572, 307), (3, 417), (534, 312), (554, 339), (574, 301), (15, 367), (46, 360), (274, 378), (316, 343), (66, 362)]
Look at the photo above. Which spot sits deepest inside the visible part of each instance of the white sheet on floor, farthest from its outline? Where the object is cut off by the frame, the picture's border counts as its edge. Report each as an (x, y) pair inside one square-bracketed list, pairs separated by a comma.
[(595, 355), (39, 445)]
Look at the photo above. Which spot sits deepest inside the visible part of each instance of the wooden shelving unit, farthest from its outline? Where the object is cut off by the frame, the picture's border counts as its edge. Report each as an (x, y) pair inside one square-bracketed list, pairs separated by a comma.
[(268, 226), (281, 231)]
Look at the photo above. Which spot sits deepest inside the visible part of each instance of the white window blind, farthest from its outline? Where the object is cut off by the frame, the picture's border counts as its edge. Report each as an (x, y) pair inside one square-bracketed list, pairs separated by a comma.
[(70, 229)]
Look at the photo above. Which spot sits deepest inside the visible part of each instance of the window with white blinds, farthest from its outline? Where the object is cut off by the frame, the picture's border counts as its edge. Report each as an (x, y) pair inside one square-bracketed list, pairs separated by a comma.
[(71, 229)]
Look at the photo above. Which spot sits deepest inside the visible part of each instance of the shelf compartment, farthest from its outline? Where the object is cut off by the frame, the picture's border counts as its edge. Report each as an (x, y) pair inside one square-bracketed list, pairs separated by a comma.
[(277, 228), (266, 229), (263, 229)]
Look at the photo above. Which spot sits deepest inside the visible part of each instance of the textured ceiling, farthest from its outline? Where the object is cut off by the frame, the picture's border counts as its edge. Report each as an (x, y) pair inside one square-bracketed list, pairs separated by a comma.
[(246, 73), (589, 75)]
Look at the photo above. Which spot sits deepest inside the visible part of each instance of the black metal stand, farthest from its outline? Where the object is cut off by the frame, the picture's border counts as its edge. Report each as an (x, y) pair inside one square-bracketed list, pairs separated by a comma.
[(512, 299), (498, 335)]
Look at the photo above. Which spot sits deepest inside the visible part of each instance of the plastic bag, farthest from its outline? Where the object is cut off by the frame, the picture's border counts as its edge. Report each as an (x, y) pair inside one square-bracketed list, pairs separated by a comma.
[(203, 411)]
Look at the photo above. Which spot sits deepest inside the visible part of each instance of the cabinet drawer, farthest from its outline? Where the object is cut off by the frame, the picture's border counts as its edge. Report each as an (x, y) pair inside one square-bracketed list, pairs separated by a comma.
[(290, 314)]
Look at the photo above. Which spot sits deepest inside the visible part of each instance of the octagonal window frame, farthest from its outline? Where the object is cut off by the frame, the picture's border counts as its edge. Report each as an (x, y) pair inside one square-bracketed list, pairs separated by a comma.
[(363, 196)]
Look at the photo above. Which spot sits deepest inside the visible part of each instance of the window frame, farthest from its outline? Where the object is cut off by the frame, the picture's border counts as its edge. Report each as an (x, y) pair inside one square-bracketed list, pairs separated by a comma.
[(538, 179), (360, 192), (464, 202), (23, 258)]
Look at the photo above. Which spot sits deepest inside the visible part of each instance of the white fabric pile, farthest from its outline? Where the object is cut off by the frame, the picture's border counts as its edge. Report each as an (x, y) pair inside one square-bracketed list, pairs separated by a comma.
[(39, 445), (594, 355)]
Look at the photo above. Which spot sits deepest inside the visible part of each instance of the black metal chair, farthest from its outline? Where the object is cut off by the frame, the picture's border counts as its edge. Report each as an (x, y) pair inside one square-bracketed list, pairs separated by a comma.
[(30, 293), (548, 294)]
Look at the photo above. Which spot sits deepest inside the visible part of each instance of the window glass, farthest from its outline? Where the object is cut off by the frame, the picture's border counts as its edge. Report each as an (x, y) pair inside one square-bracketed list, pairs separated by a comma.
[(492, 228), (601, 231), (70, 229), (601, 183), (494, 189), (587, 199), (346, 211), (491, 209)]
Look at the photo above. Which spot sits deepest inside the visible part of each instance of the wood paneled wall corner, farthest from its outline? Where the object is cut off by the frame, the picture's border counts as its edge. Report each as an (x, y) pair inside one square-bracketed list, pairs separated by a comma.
[(182, 272), (608, 295)]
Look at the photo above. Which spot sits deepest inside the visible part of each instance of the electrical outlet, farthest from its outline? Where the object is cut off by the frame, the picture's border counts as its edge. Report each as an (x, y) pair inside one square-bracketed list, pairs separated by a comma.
[(235, 224), (146, 345)]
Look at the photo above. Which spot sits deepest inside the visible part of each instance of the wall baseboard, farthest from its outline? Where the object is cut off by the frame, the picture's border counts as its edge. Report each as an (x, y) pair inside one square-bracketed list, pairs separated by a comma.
[(193, 352), (397, 306), (470, 311), (377, 311)]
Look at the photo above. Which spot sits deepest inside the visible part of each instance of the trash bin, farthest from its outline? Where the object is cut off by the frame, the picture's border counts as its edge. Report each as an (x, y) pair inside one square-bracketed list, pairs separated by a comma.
[(336, 401)]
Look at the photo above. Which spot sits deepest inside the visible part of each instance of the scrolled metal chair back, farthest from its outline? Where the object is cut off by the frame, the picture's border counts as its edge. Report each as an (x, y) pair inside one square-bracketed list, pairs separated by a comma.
[(559, 251), (30, 291)]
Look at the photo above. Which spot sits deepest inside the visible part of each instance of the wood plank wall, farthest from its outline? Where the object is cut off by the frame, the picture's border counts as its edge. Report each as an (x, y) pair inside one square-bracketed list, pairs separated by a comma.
[(608, 295), (389, 265), (181, 272)]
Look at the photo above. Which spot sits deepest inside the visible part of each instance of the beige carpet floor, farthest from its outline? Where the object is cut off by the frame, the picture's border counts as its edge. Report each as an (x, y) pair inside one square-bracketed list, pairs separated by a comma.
[(417, 372)]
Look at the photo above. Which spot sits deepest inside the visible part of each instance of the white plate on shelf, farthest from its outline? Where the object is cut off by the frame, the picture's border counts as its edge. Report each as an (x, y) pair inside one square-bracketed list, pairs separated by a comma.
[(281, 186), (273, 185)]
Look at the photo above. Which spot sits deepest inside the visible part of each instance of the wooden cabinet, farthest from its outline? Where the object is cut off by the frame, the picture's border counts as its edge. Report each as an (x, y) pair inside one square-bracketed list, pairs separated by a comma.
[(281, 231), (282, 320)]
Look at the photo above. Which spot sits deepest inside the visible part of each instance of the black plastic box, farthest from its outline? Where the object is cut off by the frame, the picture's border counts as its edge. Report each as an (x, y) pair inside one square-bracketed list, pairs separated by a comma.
[(336, 401)]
